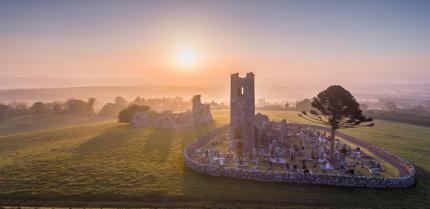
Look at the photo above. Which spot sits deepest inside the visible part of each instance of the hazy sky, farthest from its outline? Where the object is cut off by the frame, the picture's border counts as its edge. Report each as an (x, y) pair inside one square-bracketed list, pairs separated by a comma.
[(285, 42)]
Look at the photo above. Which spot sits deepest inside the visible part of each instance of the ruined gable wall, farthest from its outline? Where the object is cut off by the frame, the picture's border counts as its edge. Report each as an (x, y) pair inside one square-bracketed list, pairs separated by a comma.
[(201, 114)]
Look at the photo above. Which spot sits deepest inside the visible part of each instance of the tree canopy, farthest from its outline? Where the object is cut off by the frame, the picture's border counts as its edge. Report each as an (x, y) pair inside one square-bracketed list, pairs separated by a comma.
[(39, 108), (337, 108), (126, 115), (77, 106), (112, 109)]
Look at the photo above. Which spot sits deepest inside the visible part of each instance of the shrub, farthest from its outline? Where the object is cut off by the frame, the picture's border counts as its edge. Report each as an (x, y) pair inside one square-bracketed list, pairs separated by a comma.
[(126, 115)]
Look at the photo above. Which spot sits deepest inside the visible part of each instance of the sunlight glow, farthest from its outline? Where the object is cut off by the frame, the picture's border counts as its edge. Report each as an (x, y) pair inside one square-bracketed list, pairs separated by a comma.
[(186, 57)]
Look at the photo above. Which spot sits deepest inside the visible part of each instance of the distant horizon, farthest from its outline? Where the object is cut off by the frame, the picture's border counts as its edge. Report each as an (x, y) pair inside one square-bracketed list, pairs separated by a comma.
[(219, 92), (202, 42), (21, 82)]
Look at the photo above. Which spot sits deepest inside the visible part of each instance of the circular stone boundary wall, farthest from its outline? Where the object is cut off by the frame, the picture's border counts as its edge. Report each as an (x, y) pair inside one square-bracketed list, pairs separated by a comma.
[(406, 179)]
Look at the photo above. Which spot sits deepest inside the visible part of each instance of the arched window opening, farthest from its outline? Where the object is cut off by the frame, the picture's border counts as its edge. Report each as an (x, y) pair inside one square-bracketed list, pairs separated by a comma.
[(240, 91)]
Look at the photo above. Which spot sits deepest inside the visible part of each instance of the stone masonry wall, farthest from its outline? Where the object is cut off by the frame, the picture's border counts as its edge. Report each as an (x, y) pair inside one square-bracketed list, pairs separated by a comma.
[(407, 170)]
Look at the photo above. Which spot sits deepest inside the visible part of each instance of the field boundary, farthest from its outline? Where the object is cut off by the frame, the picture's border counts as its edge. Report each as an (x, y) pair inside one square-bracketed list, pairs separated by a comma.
[(406, 179)]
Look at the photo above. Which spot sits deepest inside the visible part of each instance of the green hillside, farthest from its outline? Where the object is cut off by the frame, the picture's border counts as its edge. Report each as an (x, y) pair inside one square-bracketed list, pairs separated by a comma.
[(108, 161)]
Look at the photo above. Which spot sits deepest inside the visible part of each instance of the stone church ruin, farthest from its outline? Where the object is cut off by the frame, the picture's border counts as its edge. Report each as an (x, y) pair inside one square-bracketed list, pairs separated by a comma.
[(253, 147), (199, 115)]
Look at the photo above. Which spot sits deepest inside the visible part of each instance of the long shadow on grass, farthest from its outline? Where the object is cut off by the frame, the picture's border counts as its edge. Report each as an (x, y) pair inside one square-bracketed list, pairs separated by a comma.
[(189, 135), (108, 140), (160, 141)]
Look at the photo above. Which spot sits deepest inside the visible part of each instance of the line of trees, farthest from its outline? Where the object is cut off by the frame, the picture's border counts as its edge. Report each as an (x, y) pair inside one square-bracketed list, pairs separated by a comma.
[(400, 116), (112, 109), (13, 109), (81, 107), (389, 110), (71, 106)]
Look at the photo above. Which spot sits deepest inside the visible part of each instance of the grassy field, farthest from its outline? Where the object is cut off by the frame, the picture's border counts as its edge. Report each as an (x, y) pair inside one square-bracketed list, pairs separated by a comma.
[(107, 162), (31, 123)]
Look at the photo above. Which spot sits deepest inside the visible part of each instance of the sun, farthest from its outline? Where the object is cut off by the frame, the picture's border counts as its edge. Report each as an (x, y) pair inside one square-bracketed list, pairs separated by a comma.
[(186, 57)]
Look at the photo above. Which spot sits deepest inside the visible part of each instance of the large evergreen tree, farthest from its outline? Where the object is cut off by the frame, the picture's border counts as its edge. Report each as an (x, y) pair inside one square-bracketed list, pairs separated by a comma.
[(337, 108)]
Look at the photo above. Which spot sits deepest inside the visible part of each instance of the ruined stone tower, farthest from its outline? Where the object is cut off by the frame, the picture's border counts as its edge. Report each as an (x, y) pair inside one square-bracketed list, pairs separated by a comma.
[(242, 111)]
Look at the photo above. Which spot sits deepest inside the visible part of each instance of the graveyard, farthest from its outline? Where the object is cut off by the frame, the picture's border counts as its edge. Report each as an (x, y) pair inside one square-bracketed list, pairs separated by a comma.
[(304, 149), (253, 147)]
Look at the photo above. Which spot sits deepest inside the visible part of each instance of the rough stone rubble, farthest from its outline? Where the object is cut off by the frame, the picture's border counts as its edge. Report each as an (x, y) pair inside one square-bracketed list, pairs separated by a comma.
[(200, 114)]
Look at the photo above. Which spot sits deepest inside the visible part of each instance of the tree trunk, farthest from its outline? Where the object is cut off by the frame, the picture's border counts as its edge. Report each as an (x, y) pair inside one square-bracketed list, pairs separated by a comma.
[(332, 138)]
